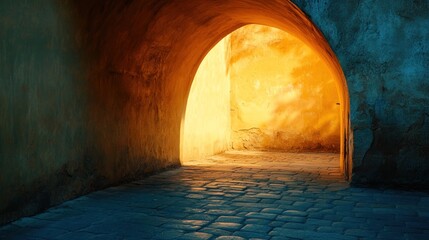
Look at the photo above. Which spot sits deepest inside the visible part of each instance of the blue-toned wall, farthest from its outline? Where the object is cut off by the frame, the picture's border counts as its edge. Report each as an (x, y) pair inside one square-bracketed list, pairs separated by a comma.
[(383, 48)]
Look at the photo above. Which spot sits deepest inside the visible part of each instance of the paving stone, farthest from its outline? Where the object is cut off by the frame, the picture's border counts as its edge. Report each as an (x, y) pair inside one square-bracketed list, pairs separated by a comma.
[(285, 218), (184, 209), (220, 212), (268, 216), (226, 226), (272, 210), (229, 238), (248, 209), (220, 206), (196, 236), (256, 228), (269, 196), (201, 216), (282, 238), (258, 221), (295, 213), (251, 235), (305, 226), (267, 200), (302, 206), (276, 224), (232, 219), (246, 199), (215, 231), (256, 205)]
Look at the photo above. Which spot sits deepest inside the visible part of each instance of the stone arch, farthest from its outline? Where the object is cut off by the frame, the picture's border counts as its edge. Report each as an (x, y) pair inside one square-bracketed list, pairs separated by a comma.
[(147, 69), (213, 122), (312, 36)]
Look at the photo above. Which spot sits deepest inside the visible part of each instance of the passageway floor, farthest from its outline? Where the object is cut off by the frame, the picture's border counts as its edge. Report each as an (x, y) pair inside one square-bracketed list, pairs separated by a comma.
[(237, 195)]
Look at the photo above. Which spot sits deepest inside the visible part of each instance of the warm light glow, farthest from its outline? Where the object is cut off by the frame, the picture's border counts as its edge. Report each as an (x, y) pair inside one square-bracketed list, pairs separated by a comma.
[(261, 88), (283, 96), (207, 125)]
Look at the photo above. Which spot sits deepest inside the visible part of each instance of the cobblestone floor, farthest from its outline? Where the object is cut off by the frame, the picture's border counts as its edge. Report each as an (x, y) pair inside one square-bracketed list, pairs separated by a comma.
[(237, 195)]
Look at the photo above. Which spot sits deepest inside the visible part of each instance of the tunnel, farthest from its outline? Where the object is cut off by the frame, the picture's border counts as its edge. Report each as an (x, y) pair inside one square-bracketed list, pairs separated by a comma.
[(261, 88), (94, 93)]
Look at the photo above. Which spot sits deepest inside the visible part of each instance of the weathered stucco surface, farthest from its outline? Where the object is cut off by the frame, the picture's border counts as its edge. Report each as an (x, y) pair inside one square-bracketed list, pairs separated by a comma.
[(43, 109), (383, 48), (93, 92), (206, 126), (283, 96), (261, 88)]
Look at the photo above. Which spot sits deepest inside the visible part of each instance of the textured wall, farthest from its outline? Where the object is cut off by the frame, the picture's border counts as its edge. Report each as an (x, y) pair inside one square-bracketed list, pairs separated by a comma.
[(108, 83), (283, 96), (207, 123), (383, 48), (43, 108)]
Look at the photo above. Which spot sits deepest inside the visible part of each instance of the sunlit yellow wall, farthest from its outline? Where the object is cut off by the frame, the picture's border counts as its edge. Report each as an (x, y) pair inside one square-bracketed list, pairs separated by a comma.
[(207, 125), (282, 95)]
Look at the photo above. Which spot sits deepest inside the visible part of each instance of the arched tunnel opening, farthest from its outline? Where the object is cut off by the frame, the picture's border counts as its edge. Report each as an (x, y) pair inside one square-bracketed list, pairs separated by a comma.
[(105, 87), (262, 89)]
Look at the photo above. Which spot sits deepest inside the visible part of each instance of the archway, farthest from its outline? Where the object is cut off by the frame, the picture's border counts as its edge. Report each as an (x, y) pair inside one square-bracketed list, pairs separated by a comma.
[(148, 70), (284, 98)]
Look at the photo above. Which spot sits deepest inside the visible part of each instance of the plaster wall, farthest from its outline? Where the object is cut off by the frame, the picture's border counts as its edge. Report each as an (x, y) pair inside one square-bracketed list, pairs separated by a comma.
[(207, 122), (283, 96), (43, 109)]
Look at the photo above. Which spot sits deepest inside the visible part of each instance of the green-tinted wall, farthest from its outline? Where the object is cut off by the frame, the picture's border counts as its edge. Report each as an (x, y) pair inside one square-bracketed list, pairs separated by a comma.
[(43, 106)]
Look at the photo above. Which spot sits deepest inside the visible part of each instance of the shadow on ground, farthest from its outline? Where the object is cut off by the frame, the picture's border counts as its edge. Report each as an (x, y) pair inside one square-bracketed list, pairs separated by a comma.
[(260, 195)]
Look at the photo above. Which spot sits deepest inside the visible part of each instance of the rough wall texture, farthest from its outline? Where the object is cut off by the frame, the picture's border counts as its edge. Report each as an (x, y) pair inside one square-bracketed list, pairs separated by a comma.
[(106, 84), (43, 108), (207, 122), (383, 48), (283, 96)]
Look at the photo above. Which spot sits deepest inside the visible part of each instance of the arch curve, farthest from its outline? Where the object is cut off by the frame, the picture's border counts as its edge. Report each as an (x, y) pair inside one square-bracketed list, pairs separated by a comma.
[(149, 67)]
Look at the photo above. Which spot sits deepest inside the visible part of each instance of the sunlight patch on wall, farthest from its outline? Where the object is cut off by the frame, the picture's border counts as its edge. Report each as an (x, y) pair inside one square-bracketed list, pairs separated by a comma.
[(207, 125), (261, 88), (283, 96)]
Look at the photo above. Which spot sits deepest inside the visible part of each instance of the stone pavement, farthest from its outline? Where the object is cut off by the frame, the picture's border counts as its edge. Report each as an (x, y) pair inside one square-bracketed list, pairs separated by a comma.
[(237, 195)]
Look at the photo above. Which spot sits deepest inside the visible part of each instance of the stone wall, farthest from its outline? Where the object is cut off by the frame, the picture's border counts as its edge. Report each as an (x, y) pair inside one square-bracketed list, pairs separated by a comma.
[(383, 48), (283, 96)]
